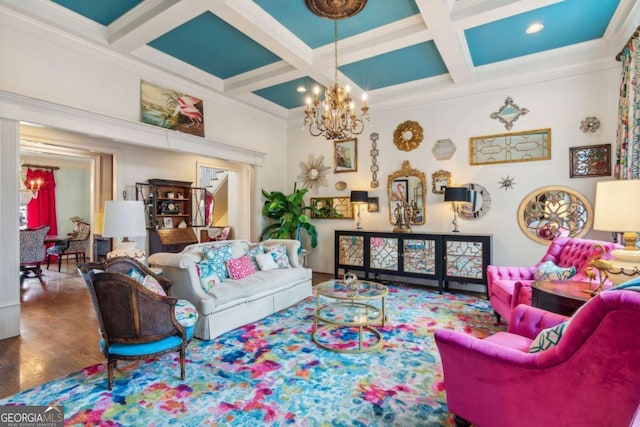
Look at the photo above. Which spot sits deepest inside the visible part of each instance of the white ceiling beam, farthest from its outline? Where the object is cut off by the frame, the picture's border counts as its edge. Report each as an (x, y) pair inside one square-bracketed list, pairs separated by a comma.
[(149, 20), (474, 13), (58, 17), (266, 76), (450, 45)]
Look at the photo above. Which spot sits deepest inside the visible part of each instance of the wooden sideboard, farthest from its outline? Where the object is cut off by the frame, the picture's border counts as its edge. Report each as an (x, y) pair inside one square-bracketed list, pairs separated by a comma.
[(445, 257)]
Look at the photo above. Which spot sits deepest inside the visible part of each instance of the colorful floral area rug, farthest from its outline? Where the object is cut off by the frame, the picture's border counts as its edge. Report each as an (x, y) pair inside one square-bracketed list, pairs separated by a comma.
[(270, 373)]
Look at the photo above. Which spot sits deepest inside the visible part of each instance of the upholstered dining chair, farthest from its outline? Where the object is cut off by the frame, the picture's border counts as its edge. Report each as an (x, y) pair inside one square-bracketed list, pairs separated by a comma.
[(589, 378), (136, 317), (77, 246), (32, 250)]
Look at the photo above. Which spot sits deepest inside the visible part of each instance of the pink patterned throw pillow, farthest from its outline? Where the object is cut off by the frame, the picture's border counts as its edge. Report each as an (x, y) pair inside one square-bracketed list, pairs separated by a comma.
[(240, 268)]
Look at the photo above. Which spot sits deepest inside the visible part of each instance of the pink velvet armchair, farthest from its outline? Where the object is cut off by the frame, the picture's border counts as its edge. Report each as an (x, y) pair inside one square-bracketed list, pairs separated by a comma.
[(590, 378), (510, 286)]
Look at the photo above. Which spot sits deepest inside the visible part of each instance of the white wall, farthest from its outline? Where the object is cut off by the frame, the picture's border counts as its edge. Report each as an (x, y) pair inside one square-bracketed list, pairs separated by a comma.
[(39, 65), (45, 66), (560, 105)]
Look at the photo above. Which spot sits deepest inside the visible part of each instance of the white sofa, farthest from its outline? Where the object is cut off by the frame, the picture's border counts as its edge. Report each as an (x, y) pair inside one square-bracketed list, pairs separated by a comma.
[(234, 303)]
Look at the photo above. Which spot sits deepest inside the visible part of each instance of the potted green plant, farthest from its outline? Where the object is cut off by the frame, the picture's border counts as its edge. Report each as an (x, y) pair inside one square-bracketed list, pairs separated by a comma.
[(290, 215)]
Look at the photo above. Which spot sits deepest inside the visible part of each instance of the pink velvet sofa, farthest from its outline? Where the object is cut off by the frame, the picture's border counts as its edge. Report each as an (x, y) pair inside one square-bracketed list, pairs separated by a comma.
[(590, 378), (510, 286)]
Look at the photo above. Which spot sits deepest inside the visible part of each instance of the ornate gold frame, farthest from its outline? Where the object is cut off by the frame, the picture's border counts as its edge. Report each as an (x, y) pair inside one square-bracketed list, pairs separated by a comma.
[(546, 219), (514, 151), (416, 135), (408, 171), (439, 176)]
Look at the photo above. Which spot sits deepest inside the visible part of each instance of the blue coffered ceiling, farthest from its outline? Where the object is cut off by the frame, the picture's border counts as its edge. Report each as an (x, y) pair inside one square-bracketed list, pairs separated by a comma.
[(261, 51)]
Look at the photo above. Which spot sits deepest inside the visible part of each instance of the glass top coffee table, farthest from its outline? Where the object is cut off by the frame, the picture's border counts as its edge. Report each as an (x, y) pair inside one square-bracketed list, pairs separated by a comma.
[(343, 319)]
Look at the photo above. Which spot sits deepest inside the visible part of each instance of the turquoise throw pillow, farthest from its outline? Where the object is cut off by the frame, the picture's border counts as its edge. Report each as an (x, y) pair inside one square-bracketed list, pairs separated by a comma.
[(218, 258), (549, 271), (548, 338), (254, 250), (208, 278)]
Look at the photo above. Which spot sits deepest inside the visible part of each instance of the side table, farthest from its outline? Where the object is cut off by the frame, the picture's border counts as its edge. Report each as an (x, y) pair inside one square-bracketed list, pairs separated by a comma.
[(560, 296)]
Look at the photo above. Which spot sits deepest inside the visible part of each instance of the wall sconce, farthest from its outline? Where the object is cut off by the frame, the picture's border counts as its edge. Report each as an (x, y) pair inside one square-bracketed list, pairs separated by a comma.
[(359, 198), (455, 195)]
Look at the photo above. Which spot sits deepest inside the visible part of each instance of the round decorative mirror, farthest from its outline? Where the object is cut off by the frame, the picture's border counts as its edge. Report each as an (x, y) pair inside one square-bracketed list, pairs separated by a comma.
[(408, 135), (555, 211), (479, 202)]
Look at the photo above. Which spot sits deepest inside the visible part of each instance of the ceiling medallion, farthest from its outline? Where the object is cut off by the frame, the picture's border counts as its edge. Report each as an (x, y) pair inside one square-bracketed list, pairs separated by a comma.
[(335, 9), (408, 135)]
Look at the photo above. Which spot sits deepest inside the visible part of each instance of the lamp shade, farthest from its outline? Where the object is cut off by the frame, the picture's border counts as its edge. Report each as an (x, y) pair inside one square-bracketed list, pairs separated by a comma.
[(359, 197), (456, 194), (617, 205), (124, 218)]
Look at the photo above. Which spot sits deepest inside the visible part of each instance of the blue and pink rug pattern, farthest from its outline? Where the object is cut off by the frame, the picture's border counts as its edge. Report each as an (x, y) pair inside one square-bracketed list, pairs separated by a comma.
[(270, 373)]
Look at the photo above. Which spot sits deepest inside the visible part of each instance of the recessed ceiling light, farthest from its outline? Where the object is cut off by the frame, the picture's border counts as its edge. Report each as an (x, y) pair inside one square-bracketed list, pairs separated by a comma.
[(301, 89), (534, 28)]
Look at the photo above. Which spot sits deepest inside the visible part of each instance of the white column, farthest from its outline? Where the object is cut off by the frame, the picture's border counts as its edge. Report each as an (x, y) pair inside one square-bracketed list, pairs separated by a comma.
[(9, 224)]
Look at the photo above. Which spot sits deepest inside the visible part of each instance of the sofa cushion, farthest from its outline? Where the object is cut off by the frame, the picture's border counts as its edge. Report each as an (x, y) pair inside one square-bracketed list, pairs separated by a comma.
[(280, 255), (206, 275), (186, 313), (241, 267), (218, 257), (148, 282), (262, 281), (548, 338), (549, 271), (254, 250), (266, 262)]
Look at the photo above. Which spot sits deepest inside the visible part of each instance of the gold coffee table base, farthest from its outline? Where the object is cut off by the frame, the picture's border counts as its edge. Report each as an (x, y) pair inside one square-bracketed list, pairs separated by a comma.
[(347, 310)]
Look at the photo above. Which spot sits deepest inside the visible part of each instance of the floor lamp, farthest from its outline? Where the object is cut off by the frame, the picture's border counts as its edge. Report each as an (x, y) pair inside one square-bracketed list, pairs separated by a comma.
[(455, 195), (616, 210), (359, 198), (124, 219)]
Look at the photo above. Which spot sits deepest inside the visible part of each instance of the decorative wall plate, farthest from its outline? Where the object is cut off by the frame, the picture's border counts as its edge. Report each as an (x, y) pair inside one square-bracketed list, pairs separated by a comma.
[(341, 185), (169, 208), (408, 135)]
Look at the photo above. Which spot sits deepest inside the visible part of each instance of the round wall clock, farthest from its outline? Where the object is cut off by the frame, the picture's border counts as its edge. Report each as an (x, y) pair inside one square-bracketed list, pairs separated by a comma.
[(408, 135), (479, 204)]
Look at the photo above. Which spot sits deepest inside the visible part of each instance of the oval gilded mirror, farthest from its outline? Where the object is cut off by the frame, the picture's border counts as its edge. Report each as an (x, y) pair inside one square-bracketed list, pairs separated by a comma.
[(406, 189), (555, 211), (479, 202)]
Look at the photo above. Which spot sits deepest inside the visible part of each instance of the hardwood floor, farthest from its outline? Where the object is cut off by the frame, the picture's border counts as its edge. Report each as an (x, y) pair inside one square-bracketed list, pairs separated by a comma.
[(58, 331)]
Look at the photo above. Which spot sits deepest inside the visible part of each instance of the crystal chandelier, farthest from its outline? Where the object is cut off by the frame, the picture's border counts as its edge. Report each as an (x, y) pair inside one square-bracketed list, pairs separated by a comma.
[(335, 116)]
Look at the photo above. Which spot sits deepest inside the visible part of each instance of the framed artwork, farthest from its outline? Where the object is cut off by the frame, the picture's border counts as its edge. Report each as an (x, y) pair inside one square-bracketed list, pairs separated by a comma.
[(167, 222), (345, 155), (524, 146), (171, 109), (590, 160), (374, 205), (331, 208)]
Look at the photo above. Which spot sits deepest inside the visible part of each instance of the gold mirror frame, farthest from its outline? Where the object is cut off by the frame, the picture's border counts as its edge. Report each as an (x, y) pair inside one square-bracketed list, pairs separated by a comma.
[(415, 193), (554, 211), (439, 180), (416, 135)]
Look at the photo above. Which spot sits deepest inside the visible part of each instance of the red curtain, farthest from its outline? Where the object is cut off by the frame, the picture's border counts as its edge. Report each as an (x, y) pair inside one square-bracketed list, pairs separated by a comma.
[(42, 209)]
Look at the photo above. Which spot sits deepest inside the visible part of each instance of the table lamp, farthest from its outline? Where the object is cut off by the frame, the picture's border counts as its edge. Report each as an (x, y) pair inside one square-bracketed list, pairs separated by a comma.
[(359, 198), (616, 210), (455, 195), (124, 219)]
